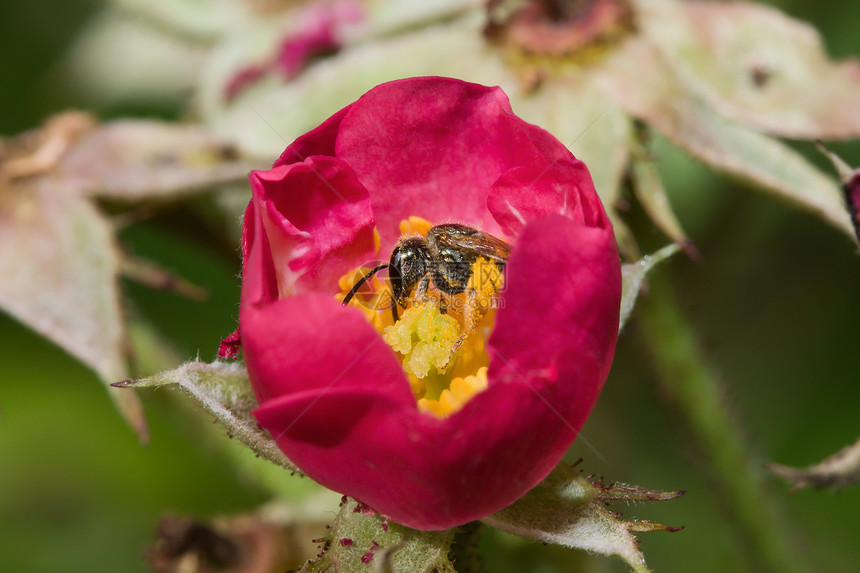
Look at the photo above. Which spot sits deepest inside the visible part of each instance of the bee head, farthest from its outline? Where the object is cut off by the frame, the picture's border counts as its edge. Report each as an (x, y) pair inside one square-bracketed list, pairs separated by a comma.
[(410, 261)]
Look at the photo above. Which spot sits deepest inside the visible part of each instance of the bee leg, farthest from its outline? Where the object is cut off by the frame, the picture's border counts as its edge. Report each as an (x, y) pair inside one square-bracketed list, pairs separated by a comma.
[(458, 344), (421, 291), (472, 314)]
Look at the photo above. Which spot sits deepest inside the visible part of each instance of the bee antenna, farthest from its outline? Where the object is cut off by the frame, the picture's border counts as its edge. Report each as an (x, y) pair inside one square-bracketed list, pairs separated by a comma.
[(361, 281)]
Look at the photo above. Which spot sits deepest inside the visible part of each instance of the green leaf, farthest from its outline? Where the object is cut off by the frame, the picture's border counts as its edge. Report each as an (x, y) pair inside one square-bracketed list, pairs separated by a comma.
[(758, 67), (638, 78), (633, 275), (842, 469), (568, 510), (359, 539), (222, 388), (59, 263)]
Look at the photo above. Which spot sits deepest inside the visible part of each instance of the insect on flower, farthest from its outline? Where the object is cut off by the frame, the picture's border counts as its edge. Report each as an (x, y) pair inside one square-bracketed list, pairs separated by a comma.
[(455, 259), (382, 411)]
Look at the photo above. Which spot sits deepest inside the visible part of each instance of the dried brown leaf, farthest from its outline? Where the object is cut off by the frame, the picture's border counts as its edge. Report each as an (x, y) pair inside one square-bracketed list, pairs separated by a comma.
[(638, 78), (59, 263), (842, 469), (757, 66), (133, 160)]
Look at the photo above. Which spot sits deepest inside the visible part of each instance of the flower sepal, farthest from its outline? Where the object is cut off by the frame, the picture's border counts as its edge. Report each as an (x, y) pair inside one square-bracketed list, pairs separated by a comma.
[(567, 509), (633, 276), (224, 390), (359, 538)]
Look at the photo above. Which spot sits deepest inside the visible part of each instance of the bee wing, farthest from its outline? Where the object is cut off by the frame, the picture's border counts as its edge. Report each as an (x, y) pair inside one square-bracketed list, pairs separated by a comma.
[(482, 244)]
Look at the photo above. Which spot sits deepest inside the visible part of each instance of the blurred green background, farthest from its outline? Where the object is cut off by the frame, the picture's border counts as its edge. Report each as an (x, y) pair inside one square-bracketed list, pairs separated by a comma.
[(775, 300)]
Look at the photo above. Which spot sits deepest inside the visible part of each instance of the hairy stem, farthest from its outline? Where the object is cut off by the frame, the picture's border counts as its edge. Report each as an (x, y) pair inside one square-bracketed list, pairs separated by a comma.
[(695, 391)]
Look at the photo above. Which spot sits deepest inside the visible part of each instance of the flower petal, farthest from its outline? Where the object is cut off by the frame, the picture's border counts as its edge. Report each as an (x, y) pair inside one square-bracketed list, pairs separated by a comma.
[(259, 283), (526, 193), (319, 141), (415, 145), (311, 342), (333, 394), (563, 287), (318, 222), (359, 438), (420, 471)]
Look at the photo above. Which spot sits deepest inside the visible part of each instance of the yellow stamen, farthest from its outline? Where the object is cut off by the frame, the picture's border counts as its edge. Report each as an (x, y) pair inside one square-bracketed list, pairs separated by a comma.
[(377, 240), (415, 226), (418, 385), (369, 304), (432, 407), (461, 391)]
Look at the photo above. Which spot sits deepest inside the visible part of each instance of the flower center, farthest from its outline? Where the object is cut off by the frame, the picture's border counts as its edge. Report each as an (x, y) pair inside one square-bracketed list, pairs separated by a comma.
[(439, 338)]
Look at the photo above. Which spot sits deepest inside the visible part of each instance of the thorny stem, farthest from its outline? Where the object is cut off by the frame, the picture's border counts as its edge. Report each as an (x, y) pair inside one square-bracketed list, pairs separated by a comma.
[(695, 391)]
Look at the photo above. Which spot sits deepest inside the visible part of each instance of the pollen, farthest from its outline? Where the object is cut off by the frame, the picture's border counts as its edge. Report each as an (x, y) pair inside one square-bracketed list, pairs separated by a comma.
[(486, 281), (424, 336), (484, 284)]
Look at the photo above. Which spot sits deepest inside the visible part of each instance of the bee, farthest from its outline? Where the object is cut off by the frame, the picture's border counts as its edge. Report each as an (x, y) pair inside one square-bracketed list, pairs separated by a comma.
[(446, 258)]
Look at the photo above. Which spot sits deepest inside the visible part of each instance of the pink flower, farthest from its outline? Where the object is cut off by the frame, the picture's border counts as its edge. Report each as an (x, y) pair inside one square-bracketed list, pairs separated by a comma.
[(333, 394)]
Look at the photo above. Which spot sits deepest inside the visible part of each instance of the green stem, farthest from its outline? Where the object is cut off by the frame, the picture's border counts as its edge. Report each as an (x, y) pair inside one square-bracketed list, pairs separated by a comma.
[(695, 391)]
